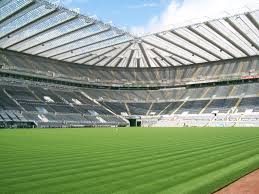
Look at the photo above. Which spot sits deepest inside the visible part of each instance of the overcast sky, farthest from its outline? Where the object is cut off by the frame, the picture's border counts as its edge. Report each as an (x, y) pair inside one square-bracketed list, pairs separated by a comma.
[(145, 16)]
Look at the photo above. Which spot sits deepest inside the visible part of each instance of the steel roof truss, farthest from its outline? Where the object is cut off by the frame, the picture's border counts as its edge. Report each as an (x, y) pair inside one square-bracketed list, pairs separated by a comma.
[(130, 57), (117, 55), (58, 37), (184, 48), (43, 31), (196, 44), (163, 58), (233, 25), (110, 38), (144, 54), (211, 41), (168, 51), (72, 41), (227, 38)]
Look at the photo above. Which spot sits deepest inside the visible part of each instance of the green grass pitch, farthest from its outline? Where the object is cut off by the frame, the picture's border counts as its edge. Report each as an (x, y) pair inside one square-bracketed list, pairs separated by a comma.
[(125, 160)]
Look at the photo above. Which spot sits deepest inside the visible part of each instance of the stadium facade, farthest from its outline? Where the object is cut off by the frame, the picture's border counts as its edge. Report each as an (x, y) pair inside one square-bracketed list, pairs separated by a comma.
[(62, 69)]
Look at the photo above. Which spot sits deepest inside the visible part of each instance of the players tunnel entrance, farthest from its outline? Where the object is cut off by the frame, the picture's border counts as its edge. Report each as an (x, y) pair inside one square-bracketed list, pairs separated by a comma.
[(135, 122)]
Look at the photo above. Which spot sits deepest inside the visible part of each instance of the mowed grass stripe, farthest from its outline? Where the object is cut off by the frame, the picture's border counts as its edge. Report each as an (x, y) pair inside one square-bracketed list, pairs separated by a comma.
[(180, 145), (63, 181), (89, 168), (67, 157), (77, 171), (106, 161), (61, 170), (140, 176), (197, 171), (214, 180)]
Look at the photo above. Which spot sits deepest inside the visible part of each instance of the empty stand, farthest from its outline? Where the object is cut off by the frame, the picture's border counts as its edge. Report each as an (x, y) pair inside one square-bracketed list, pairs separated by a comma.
[(249, 104), (221, 105), (193, 107), (51, 107)]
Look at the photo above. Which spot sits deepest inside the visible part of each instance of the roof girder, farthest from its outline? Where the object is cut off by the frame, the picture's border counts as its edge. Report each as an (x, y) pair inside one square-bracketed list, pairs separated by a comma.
[(233, 25), (168, 51), (196, 44), (17, 11), (209, 25), (81, 58), (144, 54), (43, 31), (55, 38), (157, 62), (118, 54), (98, 61), (102, 54), (130, 57), (30, 22), (210, 41), (110, 38), (182, 47), (72, 41), (162, 57), (252, 20)]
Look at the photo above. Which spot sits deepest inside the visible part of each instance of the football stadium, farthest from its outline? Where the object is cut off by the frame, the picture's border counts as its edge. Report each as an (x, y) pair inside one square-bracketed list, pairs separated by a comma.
[(86, 107)]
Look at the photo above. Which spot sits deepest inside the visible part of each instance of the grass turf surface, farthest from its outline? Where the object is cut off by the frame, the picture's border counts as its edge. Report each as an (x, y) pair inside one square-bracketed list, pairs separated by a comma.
[(125, 160)]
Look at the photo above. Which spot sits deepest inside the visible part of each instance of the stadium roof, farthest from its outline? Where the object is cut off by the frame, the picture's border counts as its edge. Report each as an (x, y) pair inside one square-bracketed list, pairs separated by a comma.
[(40, 28)]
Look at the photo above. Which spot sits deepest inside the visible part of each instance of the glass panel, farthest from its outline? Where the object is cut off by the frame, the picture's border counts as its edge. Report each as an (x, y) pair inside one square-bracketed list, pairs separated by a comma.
[(96, 46), (52, 34), (11, 7), (24, 18), (81, 43), (38, 27), (189, 46), (93, 29), (232, 34), (245, 26), (205, 44), (214, 37), (174, 49)]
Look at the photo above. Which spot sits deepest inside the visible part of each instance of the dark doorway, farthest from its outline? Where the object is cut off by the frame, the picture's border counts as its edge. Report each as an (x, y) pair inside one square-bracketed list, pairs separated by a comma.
[(138, 123), (133, 122)]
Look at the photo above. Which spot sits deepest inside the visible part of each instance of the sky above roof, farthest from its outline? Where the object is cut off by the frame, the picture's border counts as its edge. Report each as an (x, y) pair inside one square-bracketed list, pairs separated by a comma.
[(148, 16)]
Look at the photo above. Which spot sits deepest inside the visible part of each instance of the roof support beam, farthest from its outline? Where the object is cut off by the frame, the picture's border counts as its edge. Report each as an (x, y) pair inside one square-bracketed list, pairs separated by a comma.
[(210, 41), (182, 47), (168, 51), (157, 62), (144, 54), (4, 2), (71, 42), (196, 44), (178, 61), (31, 22), (252, 20), (43, 31), (209, 25), (118, 62), (102, 58), (162, 57), (118, 54), (90, 52), (138, 62), (102, 54), (130, 58), (233, 25), (83, 57), (85, 46), (52, 39), (18, 11)]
